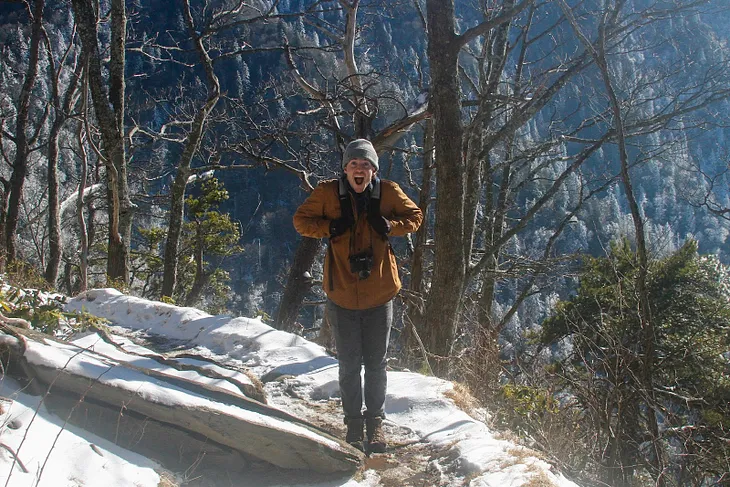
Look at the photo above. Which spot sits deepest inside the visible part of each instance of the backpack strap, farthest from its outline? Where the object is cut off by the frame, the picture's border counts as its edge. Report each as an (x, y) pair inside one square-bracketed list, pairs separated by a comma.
[(332, 263), (374, 204), (345, 212), (345, 201)]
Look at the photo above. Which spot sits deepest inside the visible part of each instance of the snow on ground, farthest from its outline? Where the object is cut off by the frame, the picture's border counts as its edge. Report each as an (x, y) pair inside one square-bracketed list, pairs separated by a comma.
[(56, 455), (418, 408)]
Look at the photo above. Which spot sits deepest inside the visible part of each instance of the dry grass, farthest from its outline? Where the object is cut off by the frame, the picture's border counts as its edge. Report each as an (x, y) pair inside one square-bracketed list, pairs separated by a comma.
[(258, 385), (540, 479), (507, 435), (464, 399), (520, 456), (167, 480)]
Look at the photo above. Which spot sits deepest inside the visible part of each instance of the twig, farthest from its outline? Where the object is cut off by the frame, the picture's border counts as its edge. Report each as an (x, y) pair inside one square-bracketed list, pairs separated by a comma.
[(421, 346), (68, 417), (35, 412), (15, 456)]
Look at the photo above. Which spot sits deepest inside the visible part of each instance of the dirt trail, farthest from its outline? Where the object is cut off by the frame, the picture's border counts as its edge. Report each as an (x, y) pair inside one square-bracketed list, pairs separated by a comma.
[(409, 461)]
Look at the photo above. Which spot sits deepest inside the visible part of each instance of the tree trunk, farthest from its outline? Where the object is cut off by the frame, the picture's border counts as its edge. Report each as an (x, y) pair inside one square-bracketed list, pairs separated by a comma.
[(83, 234), (297, 285), (91, 209), (496, 207), (55, 244), (442, 309), (22, 145), (54, 217), (118, 262), (174, 229), (363, 118), (3, 216), (111, 125), (417, 282), (201, 277), (647, 352), (177, 201)]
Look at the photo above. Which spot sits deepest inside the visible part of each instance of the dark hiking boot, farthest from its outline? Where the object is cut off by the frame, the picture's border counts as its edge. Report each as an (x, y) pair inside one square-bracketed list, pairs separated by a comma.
[(376, 437), (354, 433)]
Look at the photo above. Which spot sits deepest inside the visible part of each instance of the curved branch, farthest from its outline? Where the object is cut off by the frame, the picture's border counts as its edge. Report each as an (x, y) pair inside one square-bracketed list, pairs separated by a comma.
[(310, 89), (387, 137), (487, 25)]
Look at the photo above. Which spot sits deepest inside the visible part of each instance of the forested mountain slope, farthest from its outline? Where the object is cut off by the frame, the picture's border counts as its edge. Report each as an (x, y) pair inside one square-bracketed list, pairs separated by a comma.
[(162, 148)]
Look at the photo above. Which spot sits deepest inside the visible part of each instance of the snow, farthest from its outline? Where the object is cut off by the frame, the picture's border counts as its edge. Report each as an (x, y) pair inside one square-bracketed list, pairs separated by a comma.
[(139, 383), (61, 455), (89, 190), (95, 343), (418, 408)]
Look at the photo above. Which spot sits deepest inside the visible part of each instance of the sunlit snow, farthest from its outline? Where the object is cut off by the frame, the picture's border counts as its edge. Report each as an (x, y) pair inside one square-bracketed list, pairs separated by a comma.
[(418, 408)]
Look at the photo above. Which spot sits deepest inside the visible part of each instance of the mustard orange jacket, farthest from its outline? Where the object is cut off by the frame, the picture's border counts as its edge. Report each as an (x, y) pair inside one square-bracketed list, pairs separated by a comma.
[(312, 219)]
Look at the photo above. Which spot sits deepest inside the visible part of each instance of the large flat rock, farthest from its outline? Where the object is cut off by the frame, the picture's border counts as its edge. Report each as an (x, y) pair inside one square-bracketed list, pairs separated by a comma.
[(227, 419)]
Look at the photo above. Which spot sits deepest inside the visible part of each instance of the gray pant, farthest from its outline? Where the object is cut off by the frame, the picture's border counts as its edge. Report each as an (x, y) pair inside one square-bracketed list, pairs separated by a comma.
[(362, 339)]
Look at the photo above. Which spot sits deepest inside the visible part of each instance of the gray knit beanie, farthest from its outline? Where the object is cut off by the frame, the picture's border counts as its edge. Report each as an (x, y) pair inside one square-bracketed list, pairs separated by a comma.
[(360, 149)]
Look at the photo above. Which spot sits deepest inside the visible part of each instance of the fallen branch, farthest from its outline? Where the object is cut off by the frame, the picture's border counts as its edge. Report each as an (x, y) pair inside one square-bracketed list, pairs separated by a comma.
[(19, 322), (15, 456)]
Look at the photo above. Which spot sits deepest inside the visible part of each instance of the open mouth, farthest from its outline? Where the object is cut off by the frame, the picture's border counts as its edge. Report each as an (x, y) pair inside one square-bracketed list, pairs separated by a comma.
[(359, 180)]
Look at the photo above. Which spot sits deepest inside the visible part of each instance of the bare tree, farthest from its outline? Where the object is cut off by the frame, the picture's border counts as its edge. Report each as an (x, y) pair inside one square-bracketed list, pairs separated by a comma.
[(84, 238), (492, 159), (359, 102), (22, 141), (192, 142), (453, 233), (211, 31), (62, 111)]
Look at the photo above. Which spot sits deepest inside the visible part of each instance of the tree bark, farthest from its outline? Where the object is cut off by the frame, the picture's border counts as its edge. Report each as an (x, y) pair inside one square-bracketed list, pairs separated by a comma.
[(201, 277), (109, 110), (83, 234), (118, 262), (174, 229), (55, 244), (363, 114), (22, 144), (442, 309), (55, 248), (4, 195), (297, 284), (417, 282)]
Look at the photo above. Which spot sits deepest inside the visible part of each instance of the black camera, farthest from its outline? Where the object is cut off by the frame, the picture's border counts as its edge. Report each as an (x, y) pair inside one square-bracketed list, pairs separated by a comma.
[(361, 263)]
